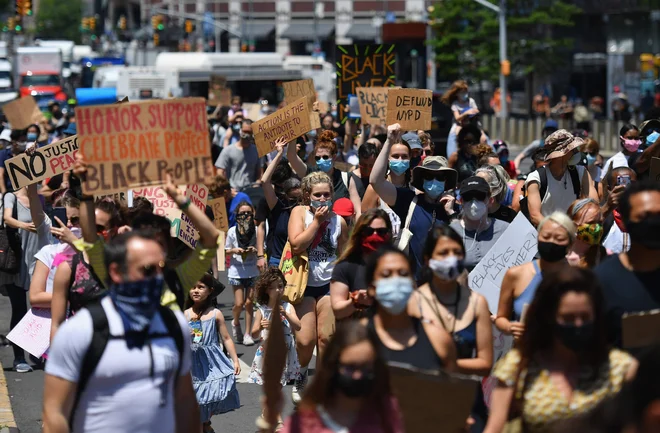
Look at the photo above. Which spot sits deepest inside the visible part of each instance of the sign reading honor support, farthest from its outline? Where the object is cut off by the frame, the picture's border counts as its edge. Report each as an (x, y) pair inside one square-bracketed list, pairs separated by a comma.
[(45, 162), (134, 144), (362, 65), (289, 123), (410, 108)]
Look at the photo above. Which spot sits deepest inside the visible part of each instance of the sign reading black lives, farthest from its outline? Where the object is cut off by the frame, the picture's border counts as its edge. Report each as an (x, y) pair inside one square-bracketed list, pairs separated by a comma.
[(363, 65)]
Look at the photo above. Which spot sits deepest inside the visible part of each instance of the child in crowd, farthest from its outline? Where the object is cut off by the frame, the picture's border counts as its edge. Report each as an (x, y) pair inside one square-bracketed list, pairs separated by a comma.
[(270, 286), (241, 247), (212, 372)]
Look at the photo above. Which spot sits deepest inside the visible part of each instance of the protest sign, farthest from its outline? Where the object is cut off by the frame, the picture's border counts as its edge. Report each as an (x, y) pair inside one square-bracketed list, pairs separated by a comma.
[(432, 398), (22, 112), (411, 108), (641, 329), (218, 81), (120, 197), (362, 65), (32, 333), (220, 219), (220, 97), (655, 169), (516, 246), (45, 162), (294, 90), (373, 104), (163, 205), (253, 110), (502, 343), (134, 144), (188, 233), (220, 255), (289, 123)]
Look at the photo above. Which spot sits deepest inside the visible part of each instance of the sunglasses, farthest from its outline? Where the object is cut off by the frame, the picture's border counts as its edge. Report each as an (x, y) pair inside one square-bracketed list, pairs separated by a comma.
[(469, 197), (244, 214), (318, 158), (368, 231), (75, 221), (149, 271), (100, 228), (430, 176)]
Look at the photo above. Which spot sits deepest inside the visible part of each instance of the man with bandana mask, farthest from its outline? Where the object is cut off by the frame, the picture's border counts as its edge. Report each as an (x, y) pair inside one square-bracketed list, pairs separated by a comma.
[(18, 146), (239, 162), (630, 279), (141, 355)]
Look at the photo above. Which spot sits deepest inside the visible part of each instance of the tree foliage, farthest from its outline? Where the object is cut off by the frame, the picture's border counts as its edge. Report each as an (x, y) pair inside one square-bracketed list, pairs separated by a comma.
[(467, 37), (57, 19)]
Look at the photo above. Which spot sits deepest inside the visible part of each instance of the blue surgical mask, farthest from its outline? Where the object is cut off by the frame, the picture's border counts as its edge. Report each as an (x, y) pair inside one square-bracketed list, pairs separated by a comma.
[(399, 166), (32, 136), (393, 293), (137, 302), (464, 96), (434, 188), (318, 204), (324, 165), (652, 137), (591, 159)]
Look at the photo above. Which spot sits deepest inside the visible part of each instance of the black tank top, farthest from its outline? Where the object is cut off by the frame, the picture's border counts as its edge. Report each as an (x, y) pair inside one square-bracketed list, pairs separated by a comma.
[(420, 355)]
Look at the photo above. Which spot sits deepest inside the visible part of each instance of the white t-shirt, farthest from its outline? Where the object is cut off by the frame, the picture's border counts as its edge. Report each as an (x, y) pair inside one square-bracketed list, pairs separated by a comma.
[(240, 265), (323, 251), (616, 241), (46, 255), (616, 161), (560, 193), (121, 395)]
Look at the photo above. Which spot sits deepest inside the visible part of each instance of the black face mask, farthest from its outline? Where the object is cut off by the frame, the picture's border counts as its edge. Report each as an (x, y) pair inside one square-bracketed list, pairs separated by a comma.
[(646, 232), (574, 337), (355, 388), (414, 162), (552, 252)]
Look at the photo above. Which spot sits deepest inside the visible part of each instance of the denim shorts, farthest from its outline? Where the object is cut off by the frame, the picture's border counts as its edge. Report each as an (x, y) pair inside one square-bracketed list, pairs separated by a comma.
[(247, 283)]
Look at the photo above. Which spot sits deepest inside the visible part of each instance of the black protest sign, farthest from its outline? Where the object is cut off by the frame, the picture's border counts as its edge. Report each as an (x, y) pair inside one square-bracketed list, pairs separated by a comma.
[(362, 65), (410, 108)]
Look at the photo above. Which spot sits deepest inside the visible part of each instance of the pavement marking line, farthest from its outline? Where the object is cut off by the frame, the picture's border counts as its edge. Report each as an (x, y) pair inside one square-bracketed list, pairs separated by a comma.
[(6, 414), (245, 372)]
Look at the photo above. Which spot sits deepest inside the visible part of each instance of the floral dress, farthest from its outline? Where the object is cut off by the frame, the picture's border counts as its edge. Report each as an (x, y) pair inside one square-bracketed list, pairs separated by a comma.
[(292, 367)]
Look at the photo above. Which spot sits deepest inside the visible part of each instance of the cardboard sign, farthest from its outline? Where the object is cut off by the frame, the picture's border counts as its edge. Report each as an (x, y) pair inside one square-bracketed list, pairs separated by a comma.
[(655, 169), (373, 104), (431, 398), (363, 65), (134, 144), (253, 110), (163, 205), (502, 343), (294, 90), (289, 123), (411, 108), (220, 255), (45, 162), (220, 97), (22, 112), (32, 333), (516, 246), (188, 233), (218, 81), (641, 329), (118, 197), (220, 219)]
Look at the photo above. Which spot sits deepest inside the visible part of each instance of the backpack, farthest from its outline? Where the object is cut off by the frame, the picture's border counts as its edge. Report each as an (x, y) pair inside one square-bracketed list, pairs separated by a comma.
[(102, 335), (543, 188), (10, 243)]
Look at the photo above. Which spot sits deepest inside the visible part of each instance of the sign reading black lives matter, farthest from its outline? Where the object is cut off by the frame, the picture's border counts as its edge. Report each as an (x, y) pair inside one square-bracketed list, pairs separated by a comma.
[(363, 65)]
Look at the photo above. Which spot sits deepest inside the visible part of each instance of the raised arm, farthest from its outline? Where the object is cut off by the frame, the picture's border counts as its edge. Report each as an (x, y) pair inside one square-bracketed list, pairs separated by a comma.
[(87, 216), (36, 208), (377, 180), (297, 164), (269, 191)]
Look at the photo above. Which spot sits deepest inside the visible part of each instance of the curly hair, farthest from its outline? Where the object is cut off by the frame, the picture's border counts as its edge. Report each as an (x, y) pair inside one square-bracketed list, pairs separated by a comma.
[(326, 140), (218, 186), (310, 181), (265, 281)]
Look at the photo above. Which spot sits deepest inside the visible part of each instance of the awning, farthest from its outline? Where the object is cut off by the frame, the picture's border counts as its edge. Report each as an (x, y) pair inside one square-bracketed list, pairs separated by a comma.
[(307, 31), (256, 30), (363, 31)]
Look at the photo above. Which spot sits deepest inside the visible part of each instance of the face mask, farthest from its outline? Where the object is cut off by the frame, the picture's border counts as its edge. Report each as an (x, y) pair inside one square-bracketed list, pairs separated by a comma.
[(31, 136), (464, 96), (551, 252), (631, 145), (434, 188), (246, 137), (373, 242), (324, 165), (590, 233), (646, 232), (399, 166), (475, 210), (316, 204), (414, 161), (591, 159), (236, 126), (574, 337), (504, 160), (352, 387), (448, 268), (652, 137), (393, 293), (137, 301), (575, 159)]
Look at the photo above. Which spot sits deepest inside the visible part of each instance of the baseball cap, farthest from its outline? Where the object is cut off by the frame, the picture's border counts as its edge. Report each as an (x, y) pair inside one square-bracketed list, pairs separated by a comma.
[(551, 124), (475, 184), (413, 140), (343, 207), (5, 134)]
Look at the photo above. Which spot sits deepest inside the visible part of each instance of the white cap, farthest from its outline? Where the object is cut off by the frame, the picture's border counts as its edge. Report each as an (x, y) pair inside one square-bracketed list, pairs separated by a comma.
[(5, 134)]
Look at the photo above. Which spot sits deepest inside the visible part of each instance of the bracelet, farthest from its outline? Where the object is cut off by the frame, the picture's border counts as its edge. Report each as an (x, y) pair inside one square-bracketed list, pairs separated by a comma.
[(186, 204)]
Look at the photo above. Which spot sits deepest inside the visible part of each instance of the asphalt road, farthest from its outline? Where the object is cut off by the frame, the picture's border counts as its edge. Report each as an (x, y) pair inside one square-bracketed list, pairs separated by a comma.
[(26, 390)]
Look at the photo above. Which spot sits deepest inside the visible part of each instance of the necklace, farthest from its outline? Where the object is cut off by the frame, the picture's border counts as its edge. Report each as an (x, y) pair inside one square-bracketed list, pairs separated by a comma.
[(454, 304)]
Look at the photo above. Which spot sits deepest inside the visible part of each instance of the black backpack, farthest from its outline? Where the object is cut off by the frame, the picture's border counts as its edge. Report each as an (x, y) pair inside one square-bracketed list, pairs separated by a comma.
[(102, 335), (543, 188)]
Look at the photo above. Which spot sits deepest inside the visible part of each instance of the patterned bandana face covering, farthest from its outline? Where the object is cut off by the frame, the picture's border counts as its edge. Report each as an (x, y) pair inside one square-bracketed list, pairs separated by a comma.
[(137, 302), (590, 233)]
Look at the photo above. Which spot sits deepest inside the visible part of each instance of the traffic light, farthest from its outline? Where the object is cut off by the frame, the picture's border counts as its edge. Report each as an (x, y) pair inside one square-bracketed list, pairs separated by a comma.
[(92, 23), (122, 22), (156, 39), (23, 7), (154, 22), (189, 26), (505, 67), (11, 23)]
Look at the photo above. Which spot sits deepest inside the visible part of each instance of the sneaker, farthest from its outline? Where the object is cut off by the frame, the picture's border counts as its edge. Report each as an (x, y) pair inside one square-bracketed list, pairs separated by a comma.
[(237, 331), (299, 388), (22, 367), (247, 340)]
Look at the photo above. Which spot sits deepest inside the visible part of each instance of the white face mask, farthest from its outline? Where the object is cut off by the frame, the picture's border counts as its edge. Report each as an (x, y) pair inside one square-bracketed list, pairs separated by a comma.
[(475, 210)]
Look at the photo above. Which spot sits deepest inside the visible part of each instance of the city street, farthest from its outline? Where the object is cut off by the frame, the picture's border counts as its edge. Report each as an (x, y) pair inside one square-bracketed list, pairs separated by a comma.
[(26, 390)]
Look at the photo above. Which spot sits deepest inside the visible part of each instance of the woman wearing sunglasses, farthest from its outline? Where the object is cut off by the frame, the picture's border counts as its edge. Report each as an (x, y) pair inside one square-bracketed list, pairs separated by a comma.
[(348, 287), (325, 154)]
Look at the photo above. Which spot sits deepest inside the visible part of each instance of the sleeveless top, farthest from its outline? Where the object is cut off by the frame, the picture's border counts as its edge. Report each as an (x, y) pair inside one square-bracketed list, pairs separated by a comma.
[(322, 252), (84, 285), (420, 355), (527, 295)]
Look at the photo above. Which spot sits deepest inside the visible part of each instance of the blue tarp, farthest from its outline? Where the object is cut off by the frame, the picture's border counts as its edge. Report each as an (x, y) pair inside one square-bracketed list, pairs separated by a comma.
[(96, 96)]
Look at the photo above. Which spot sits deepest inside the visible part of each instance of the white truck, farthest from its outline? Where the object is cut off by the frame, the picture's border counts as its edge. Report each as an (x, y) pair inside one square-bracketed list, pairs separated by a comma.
[(141, 82), (39, 72), (67, 53)]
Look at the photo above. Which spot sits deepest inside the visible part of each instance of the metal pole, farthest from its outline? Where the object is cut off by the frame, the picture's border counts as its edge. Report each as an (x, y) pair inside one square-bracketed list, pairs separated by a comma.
[(316, 26), (503, 92), (430, 57)]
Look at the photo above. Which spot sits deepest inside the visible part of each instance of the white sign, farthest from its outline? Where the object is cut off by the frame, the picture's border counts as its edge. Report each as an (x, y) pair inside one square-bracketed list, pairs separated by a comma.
[(516, 246), (32, 333)]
